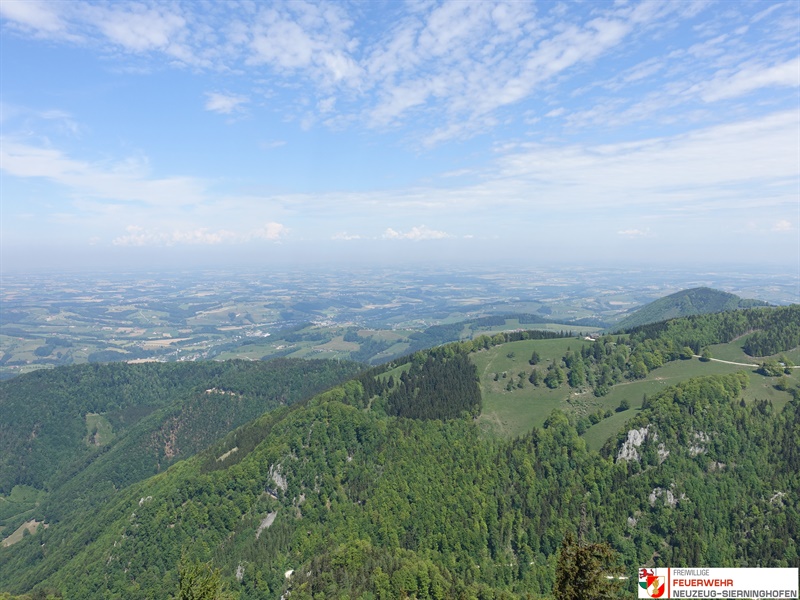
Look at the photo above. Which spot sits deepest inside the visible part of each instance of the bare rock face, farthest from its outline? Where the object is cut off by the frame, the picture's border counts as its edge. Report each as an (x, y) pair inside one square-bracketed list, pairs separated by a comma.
[(670, 499), (277, 477), (636, 437), (663, 453), (700, 438), (265, 523)]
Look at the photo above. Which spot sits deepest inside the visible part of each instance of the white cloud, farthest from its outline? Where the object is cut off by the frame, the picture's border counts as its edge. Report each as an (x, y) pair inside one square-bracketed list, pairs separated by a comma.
[(714, 171), (751, 78), (686, 171), (344, 236), (139, 236), (416, 234), (302, 36), (224, 103), (326, 105), (135, 27), (124, 181), (782, 226), (633, 233), (271, 231), (467, 60), (447, 68), (42, 17)]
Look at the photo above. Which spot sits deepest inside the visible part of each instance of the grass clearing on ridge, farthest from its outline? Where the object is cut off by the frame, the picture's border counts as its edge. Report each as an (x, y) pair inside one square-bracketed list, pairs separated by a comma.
[(98, 430), (516, 412)]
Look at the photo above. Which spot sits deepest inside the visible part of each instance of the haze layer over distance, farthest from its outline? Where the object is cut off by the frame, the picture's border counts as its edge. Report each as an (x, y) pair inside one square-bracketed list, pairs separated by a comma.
[(136, 133)]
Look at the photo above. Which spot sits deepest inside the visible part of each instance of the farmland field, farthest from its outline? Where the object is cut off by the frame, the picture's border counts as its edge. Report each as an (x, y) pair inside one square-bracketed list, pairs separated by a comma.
[(49, 320)]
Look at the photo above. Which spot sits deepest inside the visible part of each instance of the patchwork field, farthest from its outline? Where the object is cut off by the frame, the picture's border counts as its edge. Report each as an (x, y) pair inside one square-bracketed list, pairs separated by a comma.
[(61, 319)]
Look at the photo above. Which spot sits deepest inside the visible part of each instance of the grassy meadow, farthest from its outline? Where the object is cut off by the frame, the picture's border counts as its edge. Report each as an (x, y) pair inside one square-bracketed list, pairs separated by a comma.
[(16, 508), (98, 430), (513, 413)]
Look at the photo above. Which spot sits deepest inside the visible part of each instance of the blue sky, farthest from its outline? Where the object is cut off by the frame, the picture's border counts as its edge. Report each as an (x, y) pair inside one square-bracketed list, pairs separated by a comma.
[(251, 132)]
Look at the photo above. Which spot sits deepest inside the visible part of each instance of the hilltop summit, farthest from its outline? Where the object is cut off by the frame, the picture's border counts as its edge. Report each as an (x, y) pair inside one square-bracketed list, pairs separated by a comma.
[(694, 301)]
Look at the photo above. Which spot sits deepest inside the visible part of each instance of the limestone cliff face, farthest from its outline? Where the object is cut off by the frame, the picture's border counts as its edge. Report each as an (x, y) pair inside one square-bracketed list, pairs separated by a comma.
[(636, 437)]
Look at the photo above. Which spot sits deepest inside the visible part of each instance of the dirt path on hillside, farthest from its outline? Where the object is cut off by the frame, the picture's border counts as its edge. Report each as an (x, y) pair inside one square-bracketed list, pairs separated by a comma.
[(730, 362)]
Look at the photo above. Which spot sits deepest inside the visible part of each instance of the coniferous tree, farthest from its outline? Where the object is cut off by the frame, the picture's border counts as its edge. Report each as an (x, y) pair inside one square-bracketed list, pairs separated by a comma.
[(582, 571), (200, 581)]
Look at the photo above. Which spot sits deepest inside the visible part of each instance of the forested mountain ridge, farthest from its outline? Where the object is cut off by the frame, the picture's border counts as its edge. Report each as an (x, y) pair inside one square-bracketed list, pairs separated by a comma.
[(361, 505), (359, 500), (92, 429), (773, 329), (695, 301), (44, 425)]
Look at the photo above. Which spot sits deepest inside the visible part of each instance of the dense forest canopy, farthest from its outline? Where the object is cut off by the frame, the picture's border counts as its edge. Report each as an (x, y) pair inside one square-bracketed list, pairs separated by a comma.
[(695, 301), (384, 487), (774, 329), (183, 406)]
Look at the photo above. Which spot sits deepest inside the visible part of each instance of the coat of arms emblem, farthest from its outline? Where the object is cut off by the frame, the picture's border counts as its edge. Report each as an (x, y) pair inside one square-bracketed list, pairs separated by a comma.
[(655, 585)]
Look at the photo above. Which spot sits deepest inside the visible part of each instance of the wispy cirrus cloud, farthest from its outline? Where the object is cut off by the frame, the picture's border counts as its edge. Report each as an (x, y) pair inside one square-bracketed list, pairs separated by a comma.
[(126, 180), (751, 77), (662, 175), (627, 112), (154, 28), (305, 37), (669, 170), (448, 69)]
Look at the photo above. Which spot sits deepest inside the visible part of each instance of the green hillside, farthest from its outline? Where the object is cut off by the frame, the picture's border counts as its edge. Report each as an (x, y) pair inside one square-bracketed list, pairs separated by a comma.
[(387, 486), (593, 378), (91, 429), (361, 505), (695, 301), (514, 412)]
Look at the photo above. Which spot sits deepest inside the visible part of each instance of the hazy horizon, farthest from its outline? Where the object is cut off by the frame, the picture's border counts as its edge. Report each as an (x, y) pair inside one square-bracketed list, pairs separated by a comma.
[(184, 135), (302, 258)]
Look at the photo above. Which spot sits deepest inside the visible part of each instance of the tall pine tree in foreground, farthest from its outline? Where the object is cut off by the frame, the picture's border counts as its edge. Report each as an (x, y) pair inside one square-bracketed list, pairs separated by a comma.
[(583, 571)]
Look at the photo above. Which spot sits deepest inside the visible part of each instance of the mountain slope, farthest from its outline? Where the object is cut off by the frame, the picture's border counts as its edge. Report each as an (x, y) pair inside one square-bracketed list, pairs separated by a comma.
[(694, 301), (87, 431), (357, 503), (384, 486), (49, 417)]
